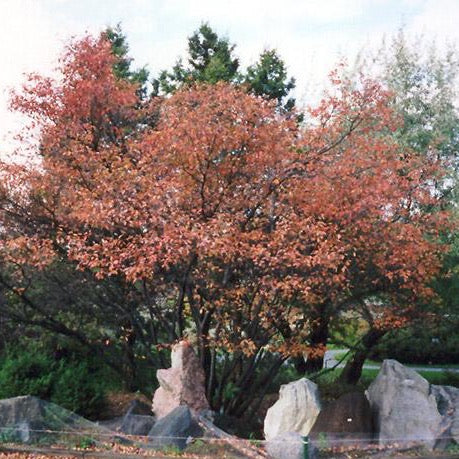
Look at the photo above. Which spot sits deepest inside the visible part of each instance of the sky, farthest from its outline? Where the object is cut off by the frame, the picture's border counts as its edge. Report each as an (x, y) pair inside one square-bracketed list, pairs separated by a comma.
[(310, 35)]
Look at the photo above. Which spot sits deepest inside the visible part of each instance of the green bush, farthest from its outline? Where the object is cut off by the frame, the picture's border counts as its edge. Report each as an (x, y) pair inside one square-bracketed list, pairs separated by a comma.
[(26, 374), (79, 388), (77, 382), (419, 346)]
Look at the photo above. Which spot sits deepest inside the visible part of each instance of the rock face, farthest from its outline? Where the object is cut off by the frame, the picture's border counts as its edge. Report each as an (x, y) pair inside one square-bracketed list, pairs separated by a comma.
[(404, 406), (28, 419), (182, 384), (287, 445), (21, 416), (345, 421), (174, 429), (137, 420), (295, 411), (447, 398)]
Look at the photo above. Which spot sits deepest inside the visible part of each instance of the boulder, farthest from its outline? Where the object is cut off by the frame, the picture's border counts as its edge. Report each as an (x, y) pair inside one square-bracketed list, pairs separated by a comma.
[(347, 420), (404, 407), (182, 384), (29, 419), (174, 430), (295, 411), (287, 445), (23, 418), (137, 420), (447, 399)]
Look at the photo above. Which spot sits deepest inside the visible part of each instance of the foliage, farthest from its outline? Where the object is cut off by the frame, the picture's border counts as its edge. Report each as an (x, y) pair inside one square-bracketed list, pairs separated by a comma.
[(122, 66), (77, 383), (26, 374), (234, 223), (268, 77), (80, 387), (210, 60), (435, 344)]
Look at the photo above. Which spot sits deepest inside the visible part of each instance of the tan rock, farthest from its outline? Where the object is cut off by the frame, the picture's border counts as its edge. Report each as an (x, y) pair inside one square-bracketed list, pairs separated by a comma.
[(182, 384)]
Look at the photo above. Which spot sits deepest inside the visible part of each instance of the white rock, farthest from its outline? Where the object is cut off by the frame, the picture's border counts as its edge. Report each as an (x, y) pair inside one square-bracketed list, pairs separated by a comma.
[(288, 445), (295, 411)]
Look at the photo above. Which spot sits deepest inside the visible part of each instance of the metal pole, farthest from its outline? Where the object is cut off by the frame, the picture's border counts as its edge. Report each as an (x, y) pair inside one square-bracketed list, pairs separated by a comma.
[(305, 447)]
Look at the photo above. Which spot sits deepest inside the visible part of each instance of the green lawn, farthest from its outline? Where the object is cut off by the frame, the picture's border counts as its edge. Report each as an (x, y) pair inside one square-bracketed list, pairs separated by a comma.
[(328, 380)]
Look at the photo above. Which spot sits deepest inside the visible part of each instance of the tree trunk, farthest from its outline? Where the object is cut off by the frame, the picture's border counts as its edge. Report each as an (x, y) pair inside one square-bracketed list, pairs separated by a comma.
[(353, 369), (300, 364), (319, 338)]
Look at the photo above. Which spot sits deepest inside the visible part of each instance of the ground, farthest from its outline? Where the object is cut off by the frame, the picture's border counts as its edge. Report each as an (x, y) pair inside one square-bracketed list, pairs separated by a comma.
[(117, 404)]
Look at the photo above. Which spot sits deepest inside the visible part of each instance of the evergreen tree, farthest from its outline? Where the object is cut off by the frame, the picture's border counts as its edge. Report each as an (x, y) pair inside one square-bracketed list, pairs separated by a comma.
[(210, 59), (122, 68), (268, 77)]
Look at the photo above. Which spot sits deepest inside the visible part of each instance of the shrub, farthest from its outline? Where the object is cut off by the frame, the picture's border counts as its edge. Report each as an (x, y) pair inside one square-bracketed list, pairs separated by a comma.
[(26, 374), (78, 382), (79, 387), (419, 346)]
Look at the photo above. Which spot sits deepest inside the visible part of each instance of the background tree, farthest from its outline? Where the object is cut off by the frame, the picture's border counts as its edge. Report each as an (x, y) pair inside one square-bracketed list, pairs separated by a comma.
[(423, 80), (268, 77), (122, 66), (210, 59)]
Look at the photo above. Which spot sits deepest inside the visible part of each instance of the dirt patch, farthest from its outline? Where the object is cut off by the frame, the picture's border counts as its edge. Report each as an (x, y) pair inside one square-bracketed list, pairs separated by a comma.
[(117, 403)]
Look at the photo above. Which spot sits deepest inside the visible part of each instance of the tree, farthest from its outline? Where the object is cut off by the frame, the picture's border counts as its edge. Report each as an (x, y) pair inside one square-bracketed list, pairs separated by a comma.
[(423, 80), (210, 60), (242, 231), (58, 298), (268, 77), (122, 66)]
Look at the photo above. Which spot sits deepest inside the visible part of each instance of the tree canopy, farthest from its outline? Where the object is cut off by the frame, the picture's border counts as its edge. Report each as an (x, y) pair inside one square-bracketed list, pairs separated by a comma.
[(211, 59), (235, 225)]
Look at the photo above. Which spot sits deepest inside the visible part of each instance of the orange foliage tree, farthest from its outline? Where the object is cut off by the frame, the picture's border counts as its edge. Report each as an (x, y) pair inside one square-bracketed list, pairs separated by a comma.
[(244, 231)]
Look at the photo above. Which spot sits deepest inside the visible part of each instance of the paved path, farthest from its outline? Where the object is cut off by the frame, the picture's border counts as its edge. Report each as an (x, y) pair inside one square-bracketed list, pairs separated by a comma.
[(330, 361)]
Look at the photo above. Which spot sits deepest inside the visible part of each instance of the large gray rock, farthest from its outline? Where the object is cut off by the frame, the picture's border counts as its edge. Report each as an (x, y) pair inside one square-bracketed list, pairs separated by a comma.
[(287, 445), (137, 420), (29, 419), (404, 406), (174, 430), (447, 398), (295, 411), (182, 384), (345, 421)]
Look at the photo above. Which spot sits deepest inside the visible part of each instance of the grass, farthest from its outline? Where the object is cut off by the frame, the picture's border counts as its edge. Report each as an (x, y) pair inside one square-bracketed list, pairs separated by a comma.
[(429, 367), (332, 389), (446, 366)]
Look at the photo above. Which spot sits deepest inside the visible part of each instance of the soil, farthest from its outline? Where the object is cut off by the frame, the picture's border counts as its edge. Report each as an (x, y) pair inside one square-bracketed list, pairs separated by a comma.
[(117, 403)]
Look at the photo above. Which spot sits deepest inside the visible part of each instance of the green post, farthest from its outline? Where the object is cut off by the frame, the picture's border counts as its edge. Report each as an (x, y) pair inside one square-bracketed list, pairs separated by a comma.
[(305, 447)]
